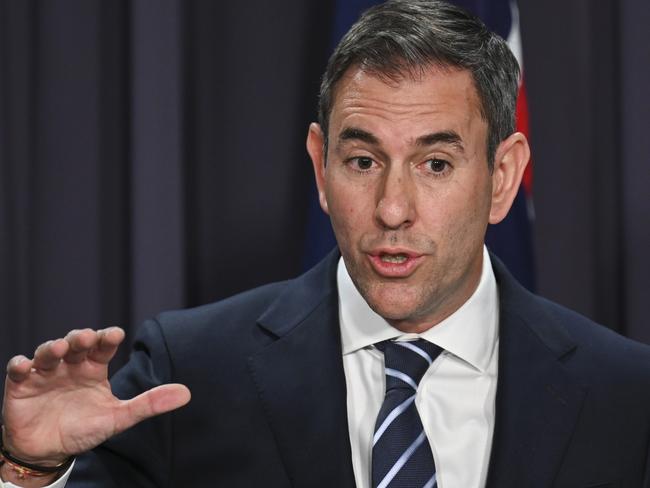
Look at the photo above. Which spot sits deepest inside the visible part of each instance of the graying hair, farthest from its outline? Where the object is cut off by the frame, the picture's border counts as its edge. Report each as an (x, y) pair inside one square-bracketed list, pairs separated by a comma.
[(404, 37)]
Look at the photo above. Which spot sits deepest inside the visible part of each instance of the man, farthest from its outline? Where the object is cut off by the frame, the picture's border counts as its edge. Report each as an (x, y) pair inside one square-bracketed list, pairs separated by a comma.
[(414, 155)]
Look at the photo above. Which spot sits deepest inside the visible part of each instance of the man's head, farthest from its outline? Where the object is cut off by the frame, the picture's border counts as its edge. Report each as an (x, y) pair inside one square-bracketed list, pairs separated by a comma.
[(402, 159), (403, 37)]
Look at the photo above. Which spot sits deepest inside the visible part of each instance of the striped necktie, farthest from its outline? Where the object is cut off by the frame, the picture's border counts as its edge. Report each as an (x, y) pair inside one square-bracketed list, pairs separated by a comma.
[(401, 454)]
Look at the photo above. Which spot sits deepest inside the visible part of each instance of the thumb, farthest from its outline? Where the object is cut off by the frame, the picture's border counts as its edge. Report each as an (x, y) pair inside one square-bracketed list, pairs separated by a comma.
[(160, 399)]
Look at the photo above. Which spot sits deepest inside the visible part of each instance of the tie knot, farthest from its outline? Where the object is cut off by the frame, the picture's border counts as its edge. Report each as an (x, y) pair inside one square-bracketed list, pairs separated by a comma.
[(407, 361)]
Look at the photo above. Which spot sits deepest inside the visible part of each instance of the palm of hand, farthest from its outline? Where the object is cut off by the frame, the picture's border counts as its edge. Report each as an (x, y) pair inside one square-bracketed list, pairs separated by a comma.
[(60, 403), (65, 411)]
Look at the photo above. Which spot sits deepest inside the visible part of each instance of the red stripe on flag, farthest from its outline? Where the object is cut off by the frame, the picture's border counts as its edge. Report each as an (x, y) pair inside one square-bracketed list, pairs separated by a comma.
[(524, 127)]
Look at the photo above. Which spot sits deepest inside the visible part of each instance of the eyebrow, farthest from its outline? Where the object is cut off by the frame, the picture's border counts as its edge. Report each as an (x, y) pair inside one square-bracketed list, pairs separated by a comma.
[(443, 137), (356, 134)]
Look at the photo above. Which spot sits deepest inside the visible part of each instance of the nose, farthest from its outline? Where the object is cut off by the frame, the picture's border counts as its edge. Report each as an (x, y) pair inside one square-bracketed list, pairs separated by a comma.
[(396, 200)]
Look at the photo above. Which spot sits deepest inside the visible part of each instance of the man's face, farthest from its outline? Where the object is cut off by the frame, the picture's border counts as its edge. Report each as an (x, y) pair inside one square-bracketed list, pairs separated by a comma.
[(408, 190)]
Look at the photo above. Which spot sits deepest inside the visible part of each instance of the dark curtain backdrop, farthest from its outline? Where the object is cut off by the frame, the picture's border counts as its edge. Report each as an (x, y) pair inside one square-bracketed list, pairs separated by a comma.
[(152, 155)]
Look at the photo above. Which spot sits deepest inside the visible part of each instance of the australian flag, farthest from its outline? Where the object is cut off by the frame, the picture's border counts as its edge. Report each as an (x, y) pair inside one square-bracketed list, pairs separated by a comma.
[(511, 239)]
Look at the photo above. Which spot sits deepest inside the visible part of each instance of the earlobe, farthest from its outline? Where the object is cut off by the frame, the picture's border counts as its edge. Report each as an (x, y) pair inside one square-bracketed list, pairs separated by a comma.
[(316, 150), (510, 161)]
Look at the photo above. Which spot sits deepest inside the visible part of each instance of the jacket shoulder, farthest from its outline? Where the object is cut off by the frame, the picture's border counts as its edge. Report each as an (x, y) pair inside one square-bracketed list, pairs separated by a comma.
[(241, 308), (606, 349), (584, 346), (228, 326)]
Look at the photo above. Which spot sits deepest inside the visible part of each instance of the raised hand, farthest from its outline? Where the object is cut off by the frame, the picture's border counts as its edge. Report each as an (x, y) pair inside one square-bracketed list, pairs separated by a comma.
[(60, 403)]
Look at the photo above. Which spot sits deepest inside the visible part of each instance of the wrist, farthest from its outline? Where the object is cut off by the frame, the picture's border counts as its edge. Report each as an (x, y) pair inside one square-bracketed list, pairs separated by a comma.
[(7, 474), (14, 468), (23, 458)]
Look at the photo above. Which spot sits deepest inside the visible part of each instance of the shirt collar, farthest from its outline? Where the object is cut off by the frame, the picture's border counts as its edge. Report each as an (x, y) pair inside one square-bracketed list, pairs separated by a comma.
[(470, 333)]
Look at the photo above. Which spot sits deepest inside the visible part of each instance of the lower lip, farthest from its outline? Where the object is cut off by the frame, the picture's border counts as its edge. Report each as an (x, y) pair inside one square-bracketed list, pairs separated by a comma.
[(395, 270)]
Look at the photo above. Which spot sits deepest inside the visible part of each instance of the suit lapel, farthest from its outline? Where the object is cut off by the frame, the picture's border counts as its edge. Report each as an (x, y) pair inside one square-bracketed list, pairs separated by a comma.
[(538, 401), (301, 382)]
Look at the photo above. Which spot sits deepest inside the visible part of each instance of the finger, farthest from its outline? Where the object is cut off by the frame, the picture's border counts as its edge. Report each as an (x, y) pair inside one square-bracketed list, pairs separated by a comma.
[(158, 400), (18, 368), (48, 355), (81, 342), (109, 341)]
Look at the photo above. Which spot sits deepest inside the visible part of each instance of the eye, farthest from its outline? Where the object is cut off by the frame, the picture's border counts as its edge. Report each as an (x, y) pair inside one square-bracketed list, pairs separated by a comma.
[(437, 165), (362, 163)]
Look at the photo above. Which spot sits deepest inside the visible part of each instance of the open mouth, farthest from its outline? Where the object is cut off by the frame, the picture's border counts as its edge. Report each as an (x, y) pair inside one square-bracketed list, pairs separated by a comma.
[(393, 258), (395, 264)]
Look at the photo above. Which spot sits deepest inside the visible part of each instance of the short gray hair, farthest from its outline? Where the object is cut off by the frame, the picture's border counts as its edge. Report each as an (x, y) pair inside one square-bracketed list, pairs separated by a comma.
[(404, 37)]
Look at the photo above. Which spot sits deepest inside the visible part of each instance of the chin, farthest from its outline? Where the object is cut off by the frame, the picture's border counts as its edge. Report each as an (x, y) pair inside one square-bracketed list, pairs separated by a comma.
[(394, 302)]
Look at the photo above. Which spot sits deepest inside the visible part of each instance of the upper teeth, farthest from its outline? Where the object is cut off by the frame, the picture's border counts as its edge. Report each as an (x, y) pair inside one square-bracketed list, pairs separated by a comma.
[(393, 258)]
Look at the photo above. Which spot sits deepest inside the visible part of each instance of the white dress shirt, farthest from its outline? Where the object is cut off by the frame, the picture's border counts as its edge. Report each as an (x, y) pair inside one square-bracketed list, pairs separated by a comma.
[(456, 395)]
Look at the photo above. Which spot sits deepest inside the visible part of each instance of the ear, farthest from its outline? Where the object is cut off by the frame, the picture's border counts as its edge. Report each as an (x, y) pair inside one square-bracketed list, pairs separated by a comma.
[(510, 161), (316, 150)]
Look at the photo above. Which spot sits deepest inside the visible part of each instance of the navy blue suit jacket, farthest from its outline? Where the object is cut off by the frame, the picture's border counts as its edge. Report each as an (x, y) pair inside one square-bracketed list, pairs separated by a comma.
[(269, 398)]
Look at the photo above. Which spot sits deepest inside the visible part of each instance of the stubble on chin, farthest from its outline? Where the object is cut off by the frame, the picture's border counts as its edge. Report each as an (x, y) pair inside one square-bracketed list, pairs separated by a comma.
[(417, 303), (394, 300)]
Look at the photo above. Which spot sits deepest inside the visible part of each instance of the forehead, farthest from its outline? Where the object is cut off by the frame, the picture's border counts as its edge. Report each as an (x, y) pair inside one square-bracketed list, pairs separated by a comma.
[(437, 98)]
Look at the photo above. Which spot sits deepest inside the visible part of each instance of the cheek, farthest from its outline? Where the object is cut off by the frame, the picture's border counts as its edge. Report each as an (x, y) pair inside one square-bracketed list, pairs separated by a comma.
[(342, 214), (351, 206), (458, 215), (475, 215), (347, 217)]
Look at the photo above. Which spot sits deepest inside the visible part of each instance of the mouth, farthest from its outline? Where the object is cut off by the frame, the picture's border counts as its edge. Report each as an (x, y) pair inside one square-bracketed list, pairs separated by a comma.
[(394, 263), (393, 258)]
